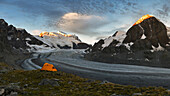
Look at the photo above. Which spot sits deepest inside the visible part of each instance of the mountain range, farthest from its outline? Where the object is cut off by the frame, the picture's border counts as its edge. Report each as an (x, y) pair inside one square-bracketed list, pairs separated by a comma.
[(145, 43), (17, 43), (61, 40)]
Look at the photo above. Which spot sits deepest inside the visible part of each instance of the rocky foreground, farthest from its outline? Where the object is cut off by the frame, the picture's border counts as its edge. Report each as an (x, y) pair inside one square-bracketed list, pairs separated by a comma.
[(43, 83), (146, 43)]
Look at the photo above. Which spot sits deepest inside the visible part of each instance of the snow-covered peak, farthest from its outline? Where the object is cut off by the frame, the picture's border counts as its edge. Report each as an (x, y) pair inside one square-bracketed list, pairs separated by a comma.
[(58, 39)]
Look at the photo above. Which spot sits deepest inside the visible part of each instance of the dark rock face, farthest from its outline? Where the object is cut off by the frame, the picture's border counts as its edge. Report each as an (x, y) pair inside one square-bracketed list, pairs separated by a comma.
[(142, 44), (97, 46), (3, 34), (154, 31), (81, 46), (75, 46), (137, 47), (64, 47)]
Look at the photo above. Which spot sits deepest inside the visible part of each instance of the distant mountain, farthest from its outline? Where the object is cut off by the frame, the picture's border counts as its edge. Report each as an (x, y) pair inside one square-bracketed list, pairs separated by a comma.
[(145, 43), (61, 40), (17, 43), (20, 40)]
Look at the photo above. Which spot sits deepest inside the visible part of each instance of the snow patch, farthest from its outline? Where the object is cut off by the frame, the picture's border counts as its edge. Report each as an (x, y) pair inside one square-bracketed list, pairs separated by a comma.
[(146, 59), (128, 45), (38, 48), (107, 41), (141, 28), (159, 48), (17, 39), (13, 47), (130, 59), (120, 35), (143, 36), (9, 38), (28, 39), (20, 29), (152, 50)]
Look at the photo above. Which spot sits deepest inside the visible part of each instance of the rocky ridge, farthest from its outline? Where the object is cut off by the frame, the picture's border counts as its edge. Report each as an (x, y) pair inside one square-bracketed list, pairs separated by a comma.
[(146, 43)]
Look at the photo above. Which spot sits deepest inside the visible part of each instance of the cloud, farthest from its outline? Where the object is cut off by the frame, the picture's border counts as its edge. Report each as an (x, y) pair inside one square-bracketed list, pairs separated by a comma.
[(81, 24), (34, 8), (53, 9), (123, 27), (101, 37), (163, 11), (36, 32), (93, 11)]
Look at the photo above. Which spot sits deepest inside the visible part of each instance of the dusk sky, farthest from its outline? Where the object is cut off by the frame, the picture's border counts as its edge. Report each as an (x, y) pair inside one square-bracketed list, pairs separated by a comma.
[(91, 20)]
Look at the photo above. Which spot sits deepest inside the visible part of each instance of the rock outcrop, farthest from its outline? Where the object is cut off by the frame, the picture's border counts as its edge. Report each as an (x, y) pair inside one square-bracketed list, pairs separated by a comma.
[(52, 82), (81, 46)]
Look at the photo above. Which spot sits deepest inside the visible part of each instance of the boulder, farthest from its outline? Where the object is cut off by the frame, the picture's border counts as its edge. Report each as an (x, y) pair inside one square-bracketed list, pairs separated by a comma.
[(52, 82), (10, 90), (2, 91), (104, 82)]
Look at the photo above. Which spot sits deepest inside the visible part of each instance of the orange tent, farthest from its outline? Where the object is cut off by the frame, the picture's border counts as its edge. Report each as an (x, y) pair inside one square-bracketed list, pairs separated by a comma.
[(48, 67)]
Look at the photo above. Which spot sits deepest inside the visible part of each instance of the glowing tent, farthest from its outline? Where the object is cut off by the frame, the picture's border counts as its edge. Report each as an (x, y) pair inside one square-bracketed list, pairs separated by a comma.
[(48, 67)]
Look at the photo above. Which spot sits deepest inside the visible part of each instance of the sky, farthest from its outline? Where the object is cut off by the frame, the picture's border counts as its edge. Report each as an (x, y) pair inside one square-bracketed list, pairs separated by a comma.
[(90, 20)]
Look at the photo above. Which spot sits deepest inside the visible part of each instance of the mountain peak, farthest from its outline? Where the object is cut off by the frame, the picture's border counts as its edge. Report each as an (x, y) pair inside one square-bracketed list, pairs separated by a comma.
[(150, 32), (62, 40), (59, 33), (3, 23), (142, 19)]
